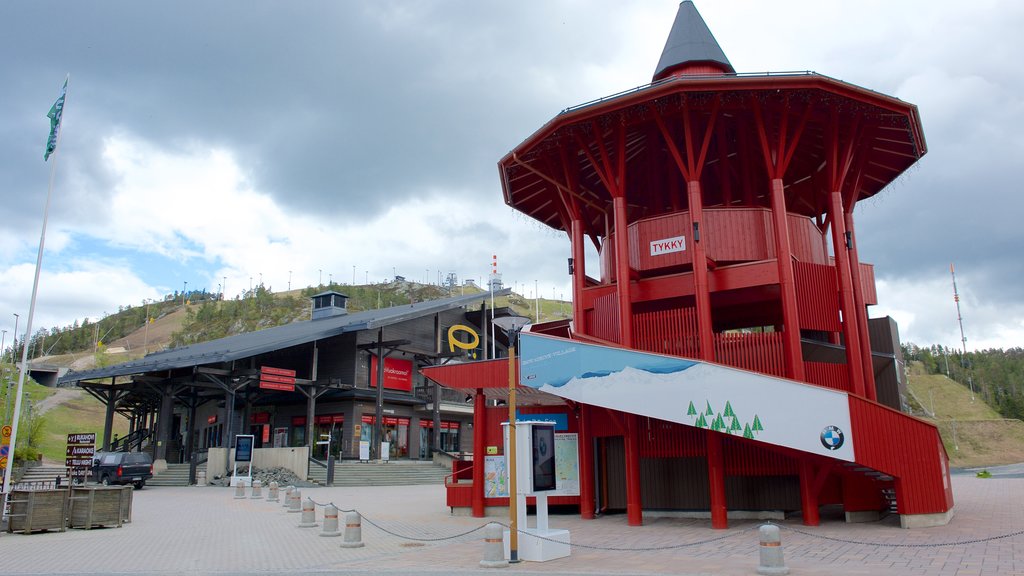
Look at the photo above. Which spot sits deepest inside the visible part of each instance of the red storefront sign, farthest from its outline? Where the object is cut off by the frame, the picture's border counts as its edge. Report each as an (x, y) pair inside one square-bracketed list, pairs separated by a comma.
[(298, 420), (261, 418), (277, 379), (211, 419), (397, 373), (330, 419)]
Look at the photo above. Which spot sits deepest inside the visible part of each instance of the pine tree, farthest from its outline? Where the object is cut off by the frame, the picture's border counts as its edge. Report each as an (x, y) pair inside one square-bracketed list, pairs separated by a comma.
[(757, 424), (728, 410), (691, 411), (735, 426), (701, 422), (709, 411), (747, 433)]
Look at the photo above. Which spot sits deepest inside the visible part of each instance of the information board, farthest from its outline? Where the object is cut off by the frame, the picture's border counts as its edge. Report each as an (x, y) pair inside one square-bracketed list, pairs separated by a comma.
[(243, 448)]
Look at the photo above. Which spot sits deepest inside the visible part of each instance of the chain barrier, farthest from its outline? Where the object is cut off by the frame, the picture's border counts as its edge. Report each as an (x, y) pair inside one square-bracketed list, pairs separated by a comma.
[(903, 545), (647, 549), (686, 544)]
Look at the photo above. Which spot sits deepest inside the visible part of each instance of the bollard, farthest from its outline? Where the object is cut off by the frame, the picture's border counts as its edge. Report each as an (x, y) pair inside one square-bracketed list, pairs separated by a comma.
[(772, 561), (494, 550), (295, 501), (287, 495), (240, 489), (272, 492), (257, 489), (201, 478), (308, 519), (330, 521), (353, 531)]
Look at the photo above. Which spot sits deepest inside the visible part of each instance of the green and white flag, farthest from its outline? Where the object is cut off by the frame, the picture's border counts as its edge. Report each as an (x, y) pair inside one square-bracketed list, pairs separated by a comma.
[(56, 111)]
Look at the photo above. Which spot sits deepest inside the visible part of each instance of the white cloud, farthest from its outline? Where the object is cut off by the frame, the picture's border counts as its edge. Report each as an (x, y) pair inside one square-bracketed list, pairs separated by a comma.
[(926, 313)]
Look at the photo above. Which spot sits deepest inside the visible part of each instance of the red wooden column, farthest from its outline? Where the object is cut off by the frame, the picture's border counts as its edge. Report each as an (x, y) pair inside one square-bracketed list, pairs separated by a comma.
[(716, 481), (787, 283), (852, 335), (691, 169), (861, 312), (586, 451), (634, 505), (808, 494), (579, 276), (700, 272), (777, 156), (622, 271), (479, 440)]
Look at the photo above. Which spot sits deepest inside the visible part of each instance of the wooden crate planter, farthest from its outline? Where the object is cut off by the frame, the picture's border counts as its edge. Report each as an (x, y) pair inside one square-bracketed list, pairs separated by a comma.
[(37, 510), (93, 506)]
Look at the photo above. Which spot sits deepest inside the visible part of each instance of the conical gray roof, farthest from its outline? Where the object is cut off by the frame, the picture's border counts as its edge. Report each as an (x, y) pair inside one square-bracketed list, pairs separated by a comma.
[(690, 42)]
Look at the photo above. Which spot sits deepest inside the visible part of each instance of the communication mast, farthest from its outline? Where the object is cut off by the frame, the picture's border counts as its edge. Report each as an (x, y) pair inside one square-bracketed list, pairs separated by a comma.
[(963, 339)]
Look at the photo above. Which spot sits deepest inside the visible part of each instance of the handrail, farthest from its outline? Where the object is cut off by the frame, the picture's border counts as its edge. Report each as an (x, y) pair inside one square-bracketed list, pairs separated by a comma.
[(318, 462), (452, 476)]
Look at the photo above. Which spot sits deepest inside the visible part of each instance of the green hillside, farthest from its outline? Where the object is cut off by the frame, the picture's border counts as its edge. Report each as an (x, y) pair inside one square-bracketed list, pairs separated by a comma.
[(974, 433)]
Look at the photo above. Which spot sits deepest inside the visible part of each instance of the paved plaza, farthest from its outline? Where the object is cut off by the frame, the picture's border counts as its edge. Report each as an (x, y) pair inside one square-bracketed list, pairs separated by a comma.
[(408, 530)]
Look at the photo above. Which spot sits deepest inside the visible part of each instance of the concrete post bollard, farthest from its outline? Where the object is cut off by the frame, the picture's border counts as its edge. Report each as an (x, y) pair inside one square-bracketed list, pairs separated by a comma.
[(772, 561), (494, 549), (272, 492), (257, 489), (353, 531), (308, 519), (330, 521), (240, 489), (295, 501), (288, 495), (201, 478)]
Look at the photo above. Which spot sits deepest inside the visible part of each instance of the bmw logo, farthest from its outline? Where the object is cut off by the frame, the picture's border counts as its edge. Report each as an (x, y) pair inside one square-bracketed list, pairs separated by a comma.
[(832, 438)]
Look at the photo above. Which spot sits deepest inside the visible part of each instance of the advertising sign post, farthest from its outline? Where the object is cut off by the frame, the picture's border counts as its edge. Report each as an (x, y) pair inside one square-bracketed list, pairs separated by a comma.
[(243, 456), (535, 471)]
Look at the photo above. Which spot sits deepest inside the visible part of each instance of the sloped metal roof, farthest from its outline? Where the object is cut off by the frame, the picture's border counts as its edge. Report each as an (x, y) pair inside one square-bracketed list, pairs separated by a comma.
[(690, 41), (277, 338)]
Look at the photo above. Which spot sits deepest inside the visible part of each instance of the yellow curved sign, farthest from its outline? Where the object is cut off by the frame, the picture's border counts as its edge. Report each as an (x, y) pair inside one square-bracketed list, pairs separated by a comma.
[(455, 343)]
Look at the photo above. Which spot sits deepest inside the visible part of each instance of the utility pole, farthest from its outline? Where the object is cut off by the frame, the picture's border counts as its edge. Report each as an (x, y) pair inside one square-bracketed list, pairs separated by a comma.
[(963, 339)]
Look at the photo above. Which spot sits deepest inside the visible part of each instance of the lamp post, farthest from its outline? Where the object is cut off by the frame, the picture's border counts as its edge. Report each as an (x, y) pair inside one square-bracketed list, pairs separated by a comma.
[(511, 325)]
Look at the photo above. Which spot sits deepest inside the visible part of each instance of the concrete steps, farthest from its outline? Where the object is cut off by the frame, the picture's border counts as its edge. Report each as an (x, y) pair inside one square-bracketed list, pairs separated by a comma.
[(175, 475), (37, 476), (395, 473)]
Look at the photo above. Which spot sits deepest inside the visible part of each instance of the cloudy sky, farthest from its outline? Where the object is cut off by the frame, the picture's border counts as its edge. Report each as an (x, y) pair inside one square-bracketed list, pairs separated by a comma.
[(217, 142)]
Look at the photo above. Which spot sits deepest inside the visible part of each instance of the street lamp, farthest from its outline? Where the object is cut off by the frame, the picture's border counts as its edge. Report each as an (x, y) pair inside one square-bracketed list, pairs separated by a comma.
[(511, 325), (183, 290)]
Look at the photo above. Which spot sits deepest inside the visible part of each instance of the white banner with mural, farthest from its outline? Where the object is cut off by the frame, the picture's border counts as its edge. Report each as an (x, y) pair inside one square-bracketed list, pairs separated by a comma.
[(701, 394)]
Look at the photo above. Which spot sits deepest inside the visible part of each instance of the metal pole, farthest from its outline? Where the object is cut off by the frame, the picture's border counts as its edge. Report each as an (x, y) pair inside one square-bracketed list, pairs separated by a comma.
[(31, 314), (963, 339), (513, 496), (378, 421)]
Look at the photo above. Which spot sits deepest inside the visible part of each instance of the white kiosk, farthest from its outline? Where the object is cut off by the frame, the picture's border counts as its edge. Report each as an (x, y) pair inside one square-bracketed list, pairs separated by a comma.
[(243, 455), (535, 476)]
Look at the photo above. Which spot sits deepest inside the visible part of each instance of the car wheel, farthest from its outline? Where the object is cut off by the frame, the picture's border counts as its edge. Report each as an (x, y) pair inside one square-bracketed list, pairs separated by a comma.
[(139, 485), (105, 480)]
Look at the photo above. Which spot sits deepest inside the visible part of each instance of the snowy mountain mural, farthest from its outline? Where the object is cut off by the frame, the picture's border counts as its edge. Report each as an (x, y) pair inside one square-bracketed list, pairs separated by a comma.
[(694, 393)]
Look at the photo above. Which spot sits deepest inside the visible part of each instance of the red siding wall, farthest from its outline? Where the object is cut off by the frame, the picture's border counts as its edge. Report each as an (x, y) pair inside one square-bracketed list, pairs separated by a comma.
[(758, 352), (906, 448), (834, 376), (604, 321), (817, 296), (667, 332), (867, 284)]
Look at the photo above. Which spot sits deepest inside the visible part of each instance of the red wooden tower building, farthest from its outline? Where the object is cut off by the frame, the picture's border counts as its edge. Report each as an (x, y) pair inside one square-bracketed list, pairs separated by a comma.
[(721, 205)]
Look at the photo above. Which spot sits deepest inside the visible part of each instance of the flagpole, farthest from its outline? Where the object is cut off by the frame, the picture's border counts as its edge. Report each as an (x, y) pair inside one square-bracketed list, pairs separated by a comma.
[(31, 311)]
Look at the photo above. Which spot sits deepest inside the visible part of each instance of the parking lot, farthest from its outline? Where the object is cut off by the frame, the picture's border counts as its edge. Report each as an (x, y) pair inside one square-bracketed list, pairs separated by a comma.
[(408, 529)]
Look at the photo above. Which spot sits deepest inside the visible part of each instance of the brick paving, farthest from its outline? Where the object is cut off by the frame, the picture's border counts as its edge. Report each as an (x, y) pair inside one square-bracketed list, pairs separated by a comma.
[(208, 531)]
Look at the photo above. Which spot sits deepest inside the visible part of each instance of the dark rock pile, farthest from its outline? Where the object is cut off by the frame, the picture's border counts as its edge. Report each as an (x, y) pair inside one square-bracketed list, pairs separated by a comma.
[(283, 477)]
